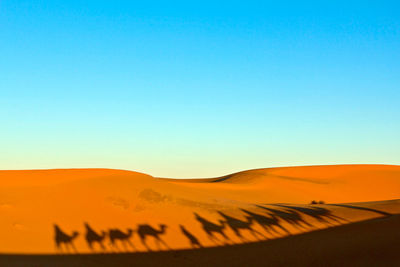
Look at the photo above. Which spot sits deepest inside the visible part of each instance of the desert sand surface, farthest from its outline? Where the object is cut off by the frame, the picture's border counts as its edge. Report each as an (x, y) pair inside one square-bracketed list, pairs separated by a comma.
[(255, 217)]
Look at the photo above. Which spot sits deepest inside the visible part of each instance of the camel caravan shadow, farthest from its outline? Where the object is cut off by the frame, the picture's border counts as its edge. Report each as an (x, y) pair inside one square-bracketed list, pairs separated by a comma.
[(272, 219), (320, 214), (116, 237)]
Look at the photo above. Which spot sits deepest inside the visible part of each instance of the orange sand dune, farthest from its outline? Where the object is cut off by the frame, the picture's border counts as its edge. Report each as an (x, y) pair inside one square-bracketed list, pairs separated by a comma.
[(335, 183), (234, 209)]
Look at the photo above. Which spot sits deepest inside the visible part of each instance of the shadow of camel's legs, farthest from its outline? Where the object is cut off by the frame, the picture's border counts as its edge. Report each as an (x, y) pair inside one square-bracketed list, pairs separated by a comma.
[(74, 248), (337, 218), (272, 231), (157, 242), (145, 243), (131, 244), (90, 245), (269, 230), (256, 233), (115, 246), (102, 246), (66, 247), (283, 229), (124, 245), (226, 238), (239, 235), (213, 238), (163, 242)]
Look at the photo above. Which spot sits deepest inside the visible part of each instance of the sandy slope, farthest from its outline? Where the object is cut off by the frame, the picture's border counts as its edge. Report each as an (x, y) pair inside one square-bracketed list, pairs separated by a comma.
[(336, 183), (32, 201)]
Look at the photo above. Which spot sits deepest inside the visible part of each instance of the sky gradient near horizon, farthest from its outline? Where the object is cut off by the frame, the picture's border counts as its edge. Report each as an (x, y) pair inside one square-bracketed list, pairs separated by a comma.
[(198, 89)]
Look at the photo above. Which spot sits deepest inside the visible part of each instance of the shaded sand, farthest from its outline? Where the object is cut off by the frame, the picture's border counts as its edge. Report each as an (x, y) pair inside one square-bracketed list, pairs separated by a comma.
[(239, 210)]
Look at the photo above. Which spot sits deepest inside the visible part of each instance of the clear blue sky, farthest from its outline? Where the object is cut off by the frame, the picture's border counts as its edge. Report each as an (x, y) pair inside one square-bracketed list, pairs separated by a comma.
[(197, 89)]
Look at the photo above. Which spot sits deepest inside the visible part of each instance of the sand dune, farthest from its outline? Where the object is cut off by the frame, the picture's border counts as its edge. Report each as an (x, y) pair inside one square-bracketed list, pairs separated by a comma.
[(235, 210), (336, 183)]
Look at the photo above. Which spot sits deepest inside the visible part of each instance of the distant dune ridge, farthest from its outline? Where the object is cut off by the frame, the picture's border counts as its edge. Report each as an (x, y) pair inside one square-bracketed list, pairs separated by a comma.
[(83, 208)]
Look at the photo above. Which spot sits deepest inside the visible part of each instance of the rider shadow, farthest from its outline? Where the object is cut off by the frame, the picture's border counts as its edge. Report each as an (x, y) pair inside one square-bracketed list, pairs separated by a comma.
[(211, 228), (237, 226), (62, 238), (194, 242)]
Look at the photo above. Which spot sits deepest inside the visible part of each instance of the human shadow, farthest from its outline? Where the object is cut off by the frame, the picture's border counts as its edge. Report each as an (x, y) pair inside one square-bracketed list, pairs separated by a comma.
[(268, 223), (115, 235), (292, 217), (237, 225), (362, 208), (320, 214), (60, 237), (146, 230), (194, 242), (93, 237), (211, 228)]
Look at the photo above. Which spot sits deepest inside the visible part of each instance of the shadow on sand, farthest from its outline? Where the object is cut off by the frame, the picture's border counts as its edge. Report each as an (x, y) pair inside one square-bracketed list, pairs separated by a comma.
[(62, 238), (362, 208), (194, 242), (320, 214), (271, 221), (237, 225), (268, 223), (211, 228), (368, 243), (146, 230), (92, 237), (118, 236), (292, 217)]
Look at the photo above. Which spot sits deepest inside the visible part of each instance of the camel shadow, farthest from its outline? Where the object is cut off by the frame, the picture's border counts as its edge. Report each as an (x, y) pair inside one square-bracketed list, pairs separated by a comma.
[(116, 234), (93, 237), (146, 230), (268, 223), (194, 242), (237, 226), (211, 228), (60, 237)]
